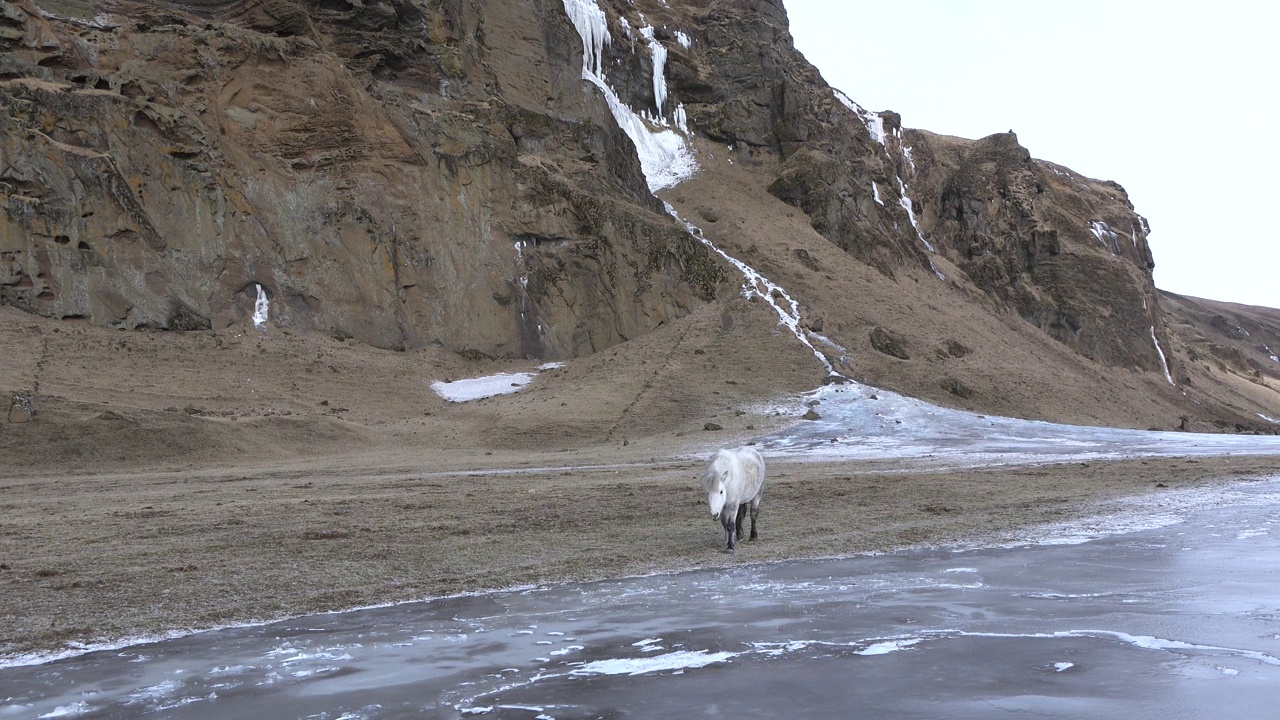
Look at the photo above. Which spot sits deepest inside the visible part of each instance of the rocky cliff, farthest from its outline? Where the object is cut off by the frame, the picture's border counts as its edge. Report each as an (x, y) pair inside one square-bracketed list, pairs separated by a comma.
[(402, 172), (481, 176)]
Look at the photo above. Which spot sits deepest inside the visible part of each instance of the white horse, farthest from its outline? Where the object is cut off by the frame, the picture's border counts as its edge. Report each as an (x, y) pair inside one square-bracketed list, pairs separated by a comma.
[(734, 481)]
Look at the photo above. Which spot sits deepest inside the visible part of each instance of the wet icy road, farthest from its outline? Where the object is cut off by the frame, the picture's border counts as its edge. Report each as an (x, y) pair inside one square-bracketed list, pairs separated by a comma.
[(1181, 618)]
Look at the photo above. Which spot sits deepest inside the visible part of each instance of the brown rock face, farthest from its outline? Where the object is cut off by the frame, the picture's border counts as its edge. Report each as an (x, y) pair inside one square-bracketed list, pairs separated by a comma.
[(402, 172), (1067, 253)]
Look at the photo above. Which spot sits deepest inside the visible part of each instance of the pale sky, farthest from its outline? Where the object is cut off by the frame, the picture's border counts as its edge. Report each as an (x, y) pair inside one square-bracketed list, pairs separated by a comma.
[(1173, 100)]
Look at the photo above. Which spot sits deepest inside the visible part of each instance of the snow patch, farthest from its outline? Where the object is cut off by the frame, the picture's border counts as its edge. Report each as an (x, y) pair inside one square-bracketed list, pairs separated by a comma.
[(1271, 420), (685, 41), (1063, 666), (875, 193), (482, 387)]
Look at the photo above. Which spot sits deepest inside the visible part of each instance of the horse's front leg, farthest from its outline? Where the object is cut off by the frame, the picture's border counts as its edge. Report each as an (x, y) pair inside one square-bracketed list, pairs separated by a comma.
[(730, 528)]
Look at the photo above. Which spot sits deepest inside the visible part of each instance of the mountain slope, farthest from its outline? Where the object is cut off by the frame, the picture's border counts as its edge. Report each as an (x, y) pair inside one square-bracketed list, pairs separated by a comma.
[(479, 179)]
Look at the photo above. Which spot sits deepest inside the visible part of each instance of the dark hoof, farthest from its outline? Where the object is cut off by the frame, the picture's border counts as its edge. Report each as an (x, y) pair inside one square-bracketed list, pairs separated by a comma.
[(753, 538), (728, 551)]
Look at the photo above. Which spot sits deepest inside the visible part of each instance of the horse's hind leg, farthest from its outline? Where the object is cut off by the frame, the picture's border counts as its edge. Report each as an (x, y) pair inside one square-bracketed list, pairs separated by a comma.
[(755, 512), (742, 516)]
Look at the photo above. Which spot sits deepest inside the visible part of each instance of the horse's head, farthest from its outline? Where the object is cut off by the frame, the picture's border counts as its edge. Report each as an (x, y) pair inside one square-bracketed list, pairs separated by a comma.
[(713, 481)]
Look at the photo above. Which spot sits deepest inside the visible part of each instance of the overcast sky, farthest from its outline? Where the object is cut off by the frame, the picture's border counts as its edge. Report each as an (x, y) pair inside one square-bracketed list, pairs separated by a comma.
[(1173, 100)]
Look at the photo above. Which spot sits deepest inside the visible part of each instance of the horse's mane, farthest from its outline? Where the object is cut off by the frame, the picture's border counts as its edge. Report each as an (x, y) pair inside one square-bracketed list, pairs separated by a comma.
[(722, 462)]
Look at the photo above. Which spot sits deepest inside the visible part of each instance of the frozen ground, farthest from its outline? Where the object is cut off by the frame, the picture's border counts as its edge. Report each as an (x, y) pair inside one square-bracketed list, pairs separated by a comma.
[(862, 422), (1179, 619)]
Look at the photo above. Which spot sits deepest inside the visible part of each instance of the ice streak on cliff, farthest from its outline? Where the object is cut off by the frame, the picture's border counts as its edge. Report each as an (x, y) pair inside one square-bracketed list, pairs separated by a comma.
[(261, 307), (874, 123), (664, 154), (1163, 363), (757, 285)]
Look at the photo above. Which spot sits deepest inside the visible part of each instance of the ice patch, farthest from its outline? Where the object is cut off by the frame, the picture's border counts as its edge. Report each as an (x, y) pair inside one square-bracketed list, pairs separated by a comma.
[(261, 307), (685, 41), (888, 646), (154, 692), (1251, 533), (1227, 670), (1105, 235), (1064, 596), (1271, 420), (905, 201), (593, 27), (659, 55), (681, 660), (1145, 642), (681, 121), (873, 122), (875, 193), (875, 126), (895, 427), (1163, 363), (76, 708), (1063, 666)]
